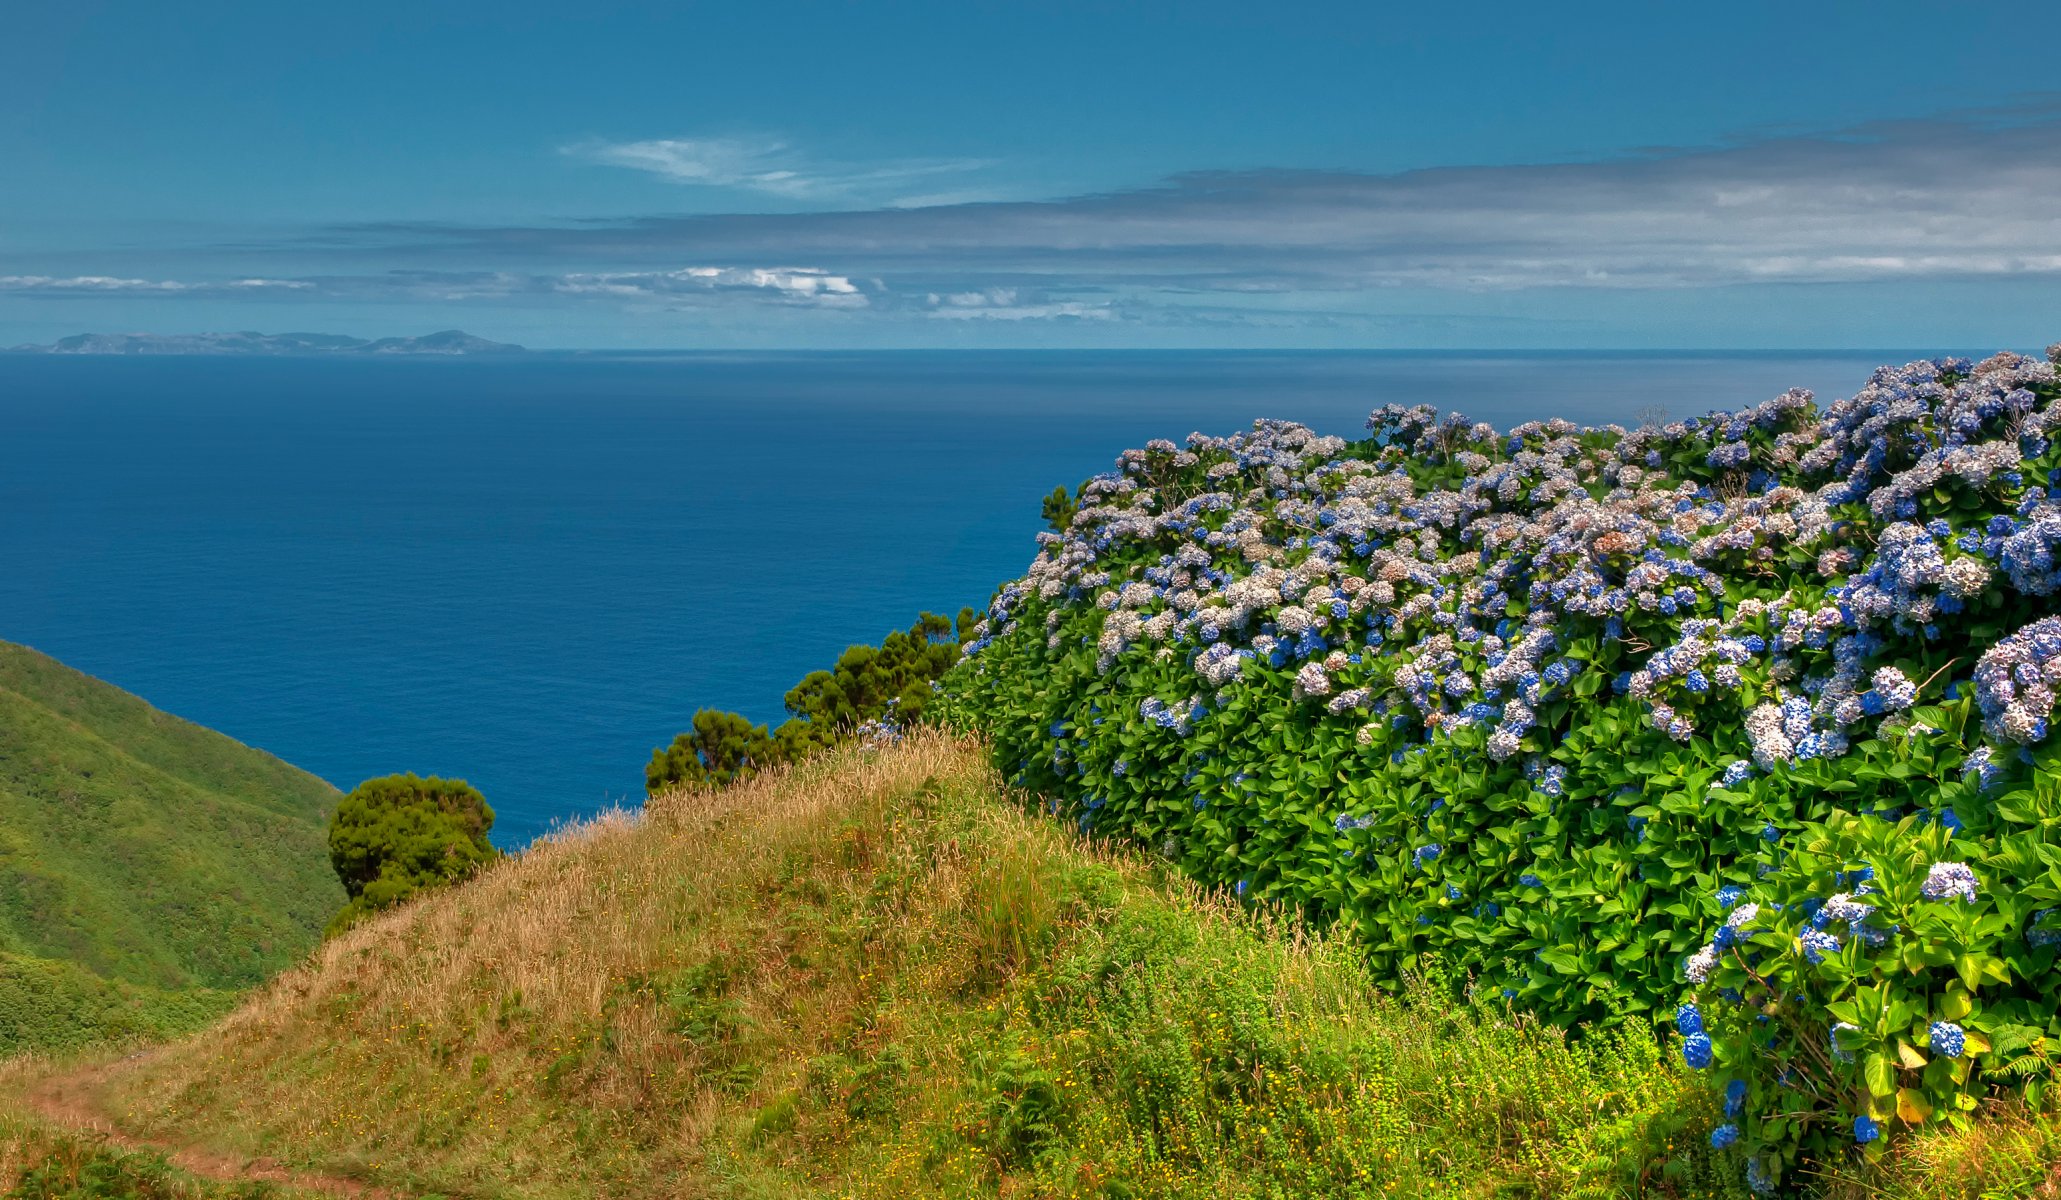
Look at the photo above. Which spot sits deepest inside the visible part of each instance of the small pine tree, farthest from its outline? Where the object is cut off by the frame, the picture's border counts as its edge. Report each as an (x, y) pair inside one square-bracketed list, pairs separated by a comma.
[(394, 836), (1059, 508), (890, 681), (720, 748)]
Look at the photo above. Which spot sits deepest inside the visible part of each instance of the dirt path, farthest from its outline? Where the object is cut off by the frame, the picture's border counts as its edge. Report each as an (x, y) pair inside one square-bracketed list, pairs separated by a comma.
[(71, 1101)]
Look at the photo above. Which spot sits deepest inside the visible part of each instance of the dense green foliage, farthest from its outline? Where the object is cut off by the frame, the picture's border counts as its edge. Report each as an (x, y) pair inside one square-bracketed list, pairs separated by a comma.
[(53, 1005), (1752, 707), (719, 748), (396, 835), (887, 687), (147, 866)]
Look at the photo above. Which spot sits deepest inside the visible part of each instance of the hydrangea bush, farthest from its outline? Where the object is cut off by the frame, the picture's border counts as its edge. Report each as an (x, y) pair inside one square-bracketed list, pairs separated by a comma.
[(1738, 723)]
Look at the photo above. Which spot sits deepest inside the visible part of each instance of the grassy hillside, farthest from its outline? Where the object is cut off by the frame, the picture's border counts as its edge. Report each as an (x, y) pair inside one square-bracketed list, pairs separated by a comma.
[(148, 866), (873, 975)]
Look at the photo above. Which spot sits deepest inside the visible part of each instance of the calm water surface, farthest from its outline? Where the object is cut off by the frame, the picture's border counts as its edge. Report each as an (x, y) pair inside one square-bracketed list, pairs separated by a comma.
[(529, 573)]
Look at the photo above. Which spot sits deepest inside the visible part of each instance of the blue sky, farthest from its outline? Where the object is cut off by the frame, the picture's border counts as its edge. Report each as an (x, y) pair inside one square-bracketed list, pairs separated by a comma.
[(1050, 174)]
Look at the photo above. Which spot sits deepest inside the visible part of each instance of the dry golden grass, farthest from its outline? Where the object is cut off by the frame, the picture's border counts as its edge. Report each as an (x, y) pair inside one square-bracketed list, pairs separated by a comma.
[(524, 1034)]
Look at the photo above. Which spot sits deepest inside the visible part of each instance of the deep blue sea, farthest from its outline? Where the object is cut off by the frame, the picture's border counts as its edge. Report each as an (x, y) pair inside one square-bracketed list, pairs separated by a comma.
[(530, 572)]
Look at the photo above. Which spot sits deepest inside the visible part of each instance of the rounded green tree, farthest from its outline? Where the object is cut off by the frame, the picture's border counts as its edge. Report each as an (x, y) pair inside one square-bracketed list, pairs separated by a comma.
[(397, 835)]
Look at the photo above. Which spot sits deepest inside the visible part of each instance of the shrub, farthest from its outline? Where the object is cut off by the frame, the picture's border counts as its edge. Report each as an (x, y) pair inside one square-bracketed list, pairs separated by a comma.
[(1559, 704), (1059, 508), (393, 836), (1874, 977), (720, 748)]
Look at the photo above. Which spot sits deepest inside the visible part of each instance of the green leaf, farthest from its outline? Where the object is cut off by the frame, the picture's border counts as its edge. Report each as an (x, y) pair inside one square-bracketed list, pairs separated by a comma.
[(1912, 1106)]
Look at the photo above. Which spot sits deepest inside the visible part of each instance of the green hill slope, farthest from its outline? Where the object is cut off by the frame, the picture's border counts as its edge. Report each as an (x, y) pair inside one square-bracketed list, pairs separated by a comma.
[(873, 975), (148, 866)]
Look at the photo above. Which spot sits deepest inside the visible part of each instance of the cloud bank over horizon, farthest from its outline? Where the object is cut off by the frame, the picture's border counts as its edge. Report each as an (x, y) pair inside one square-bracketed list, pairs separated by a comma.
[(1563, 249)]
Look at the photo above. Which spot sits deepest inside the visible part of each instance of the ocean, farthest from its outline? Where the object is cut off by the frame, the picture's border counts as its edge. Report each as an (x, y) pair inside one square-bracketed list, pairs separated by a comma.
[(530, 572)]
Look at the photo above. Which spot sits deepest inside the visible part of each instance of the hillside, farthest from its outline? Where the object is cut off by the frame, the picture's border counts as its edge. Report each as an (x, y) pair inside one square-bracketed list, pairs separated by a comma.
[(148, 866), (874, 975)]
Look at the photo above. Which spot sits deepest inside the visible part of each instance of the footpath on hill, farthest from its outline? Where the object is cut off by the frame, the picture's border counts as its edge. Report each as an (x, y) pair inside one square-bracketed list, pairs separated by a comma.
[(89, 1136)]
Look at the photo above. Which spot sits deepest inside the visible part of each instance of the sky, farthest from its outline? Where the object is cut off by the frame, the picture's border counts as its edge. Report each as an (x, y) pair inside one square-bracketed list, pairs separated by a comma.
[(1051, 174)]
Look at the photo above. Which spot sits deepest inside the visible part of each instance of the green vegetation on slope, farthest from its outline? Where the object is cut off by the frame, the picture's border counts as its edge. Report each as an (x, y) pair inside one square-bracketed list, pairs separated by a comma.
[(148, 866), (873, 975), (51, 1004)]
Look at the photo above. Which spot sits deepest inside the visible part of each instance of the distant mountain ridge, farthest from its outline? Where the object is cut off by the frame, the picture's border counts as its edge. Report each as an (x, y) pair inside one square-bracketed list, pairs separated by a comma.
[(448, 342)]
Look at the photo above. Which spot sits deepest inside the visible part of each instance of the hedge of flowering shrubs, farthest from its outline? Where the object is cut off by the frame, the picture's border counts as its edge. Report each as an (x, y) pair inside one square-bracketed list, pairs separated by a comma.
[(1739, 723)]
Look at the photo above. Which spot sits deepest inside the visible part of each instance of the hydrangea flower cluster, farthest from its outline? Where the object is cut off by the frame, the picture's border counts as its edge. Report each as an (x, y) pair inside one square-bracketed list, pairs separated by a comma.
[(1950, 880), (1277, 547), (2015, 682), (1519, 697)]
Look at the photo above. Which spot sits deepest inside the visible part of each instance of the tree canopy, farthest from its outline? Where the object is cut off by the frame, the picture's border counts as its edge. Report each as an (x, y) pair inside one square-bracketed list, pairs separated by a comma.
[(719, 748), (396, 835)]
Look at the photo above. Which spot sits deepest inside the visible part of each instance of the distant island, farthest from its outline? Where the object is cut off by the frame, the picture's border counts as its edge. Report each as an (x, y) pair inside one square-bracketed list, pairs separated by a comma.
[(449, 342)]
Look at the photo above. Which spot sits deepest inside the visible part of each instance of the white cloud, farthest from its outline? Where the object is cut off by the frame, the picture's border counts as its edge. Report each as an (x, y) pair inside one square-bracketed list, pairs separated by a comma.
[(774, 167), (1008, 304), (715, 162), (95, 285), (796, 284)]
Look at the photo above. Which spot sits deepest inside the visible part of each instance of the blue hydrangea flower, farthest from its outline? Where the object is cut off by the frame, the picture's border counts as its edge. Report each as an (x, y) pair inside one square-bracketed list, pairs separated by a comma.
[(1688, 1020), (1946, 1039), (1865, 1129), (1723, 1136), (1735, 1097), (1946, 880), (1696, 1051)]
